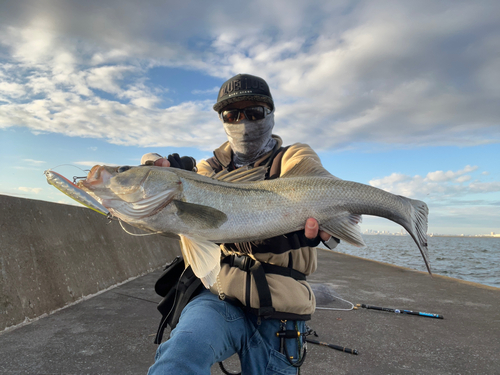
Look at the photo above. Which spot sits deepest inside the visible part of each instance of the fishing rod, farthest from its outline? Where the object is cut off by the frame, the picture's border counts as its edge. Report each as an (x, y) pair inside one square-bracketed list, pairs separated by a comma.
[(401, 311), (336, 347)]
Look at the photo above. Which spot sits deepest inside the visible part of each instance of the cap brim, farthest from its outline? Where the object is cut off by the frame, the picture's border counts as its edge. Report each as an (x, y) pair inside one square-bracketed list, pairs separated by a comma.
[(254, 98)]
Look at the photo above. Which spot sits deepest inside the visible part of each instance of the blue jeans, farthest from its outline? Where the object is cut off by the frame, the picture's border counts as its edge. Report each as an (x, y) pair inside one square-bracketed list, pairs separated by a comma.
[(211, 330)]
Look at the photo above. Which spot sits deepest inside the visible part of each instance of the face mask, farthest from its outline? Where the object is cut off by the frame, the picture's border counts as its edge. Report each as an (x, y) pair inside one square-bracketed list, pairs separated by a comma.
[(250, 139)]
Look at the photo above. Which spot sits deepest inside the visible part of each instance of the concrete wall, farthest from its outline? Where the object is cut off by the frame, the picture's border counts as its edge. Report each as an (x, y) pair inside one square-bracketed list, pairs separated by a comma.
[(52, 255)]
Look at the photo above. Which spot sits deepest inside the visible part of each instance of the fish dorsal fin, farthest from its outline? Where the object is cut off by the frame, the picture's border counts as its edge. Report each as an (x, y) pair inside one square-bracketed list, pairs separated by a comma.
[(345, 227), (243, 174), (204, 258), (198, 216), (308, 167)]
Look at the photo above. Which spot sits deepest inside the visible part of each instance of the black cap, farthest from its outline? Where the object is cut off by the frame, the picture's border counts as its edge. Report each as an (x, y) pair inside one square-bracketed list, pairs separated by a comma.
[(243, 87)]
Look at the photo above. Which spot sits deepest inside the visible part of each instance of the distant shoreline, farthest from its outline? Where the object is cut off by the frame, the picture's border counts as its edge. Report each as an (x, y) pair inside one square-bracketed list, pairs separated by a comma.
[(436, 235), (465, 235)]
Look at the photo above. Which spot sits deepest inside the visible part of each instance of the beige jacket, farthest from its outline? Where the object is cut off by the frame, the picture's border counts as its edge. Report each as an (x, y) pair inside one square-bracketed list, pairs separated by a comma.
[(290, 298)]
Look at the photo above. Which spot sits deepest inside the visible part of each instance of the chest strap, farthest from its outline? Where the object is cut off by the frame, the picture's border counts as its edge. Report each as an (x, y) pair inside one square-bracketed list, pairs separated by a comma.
[(245, 263), (258, 271)]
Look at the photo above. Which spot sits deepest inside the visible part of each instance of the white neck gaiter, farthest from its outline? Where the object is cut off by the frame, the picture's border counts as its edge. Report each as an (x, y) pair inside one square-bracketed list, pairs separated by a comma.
[(250, 140)]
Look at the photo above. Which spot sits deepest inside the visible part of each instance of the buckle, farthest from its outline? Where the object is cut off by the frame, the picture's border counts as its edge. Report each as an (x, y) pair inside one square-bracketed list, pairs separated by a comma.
[(243, 262), (266, 311)]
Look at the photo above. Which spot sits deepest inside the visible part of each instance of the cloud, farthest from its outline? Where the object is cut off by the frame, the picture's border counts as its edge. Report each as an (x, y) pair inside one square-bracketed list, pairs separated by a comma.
[(458, 201), (30, 190), (343, 74), (106, 78), (437, 186), (36, 162), (458, 176), (11, 89), (451, 218)]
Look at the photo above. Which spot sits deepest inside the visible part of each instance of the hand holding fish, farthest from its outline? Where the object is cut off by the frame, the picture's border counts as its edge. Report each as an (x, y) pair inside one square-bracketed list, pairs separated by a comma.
[(154, 159), (312, 228), (162, 162), (173, 160)]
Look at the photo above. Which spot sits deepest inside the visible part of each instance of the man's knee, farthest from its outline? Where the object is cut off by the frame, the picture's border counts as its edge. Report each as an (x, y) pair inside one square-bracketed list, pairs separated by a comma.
[(177, 352)]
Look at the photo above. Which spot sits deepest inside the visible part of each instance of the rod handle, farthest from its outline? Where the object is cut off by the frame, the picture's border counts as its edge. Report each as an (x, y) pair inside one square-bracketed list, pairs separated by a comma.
[(377, 308)]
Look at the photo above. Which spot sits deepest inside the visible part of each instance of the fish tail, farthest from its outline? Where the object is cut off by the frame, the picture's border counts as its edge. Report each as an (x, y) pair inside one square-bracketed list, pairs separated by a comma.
[(417, 227)]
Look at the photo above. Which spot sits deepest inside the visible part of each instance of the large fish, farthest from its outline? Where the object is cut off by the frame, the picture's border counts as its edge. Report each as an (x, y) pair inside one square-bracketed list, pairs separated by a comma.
[(231, 208)]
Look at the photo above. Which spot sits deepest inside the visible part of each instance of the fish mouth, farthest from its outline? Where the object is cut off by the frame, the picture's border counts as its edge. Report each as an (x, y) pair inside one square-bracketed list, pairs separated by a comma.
[(99, 181), (96, 185), (99, 175)]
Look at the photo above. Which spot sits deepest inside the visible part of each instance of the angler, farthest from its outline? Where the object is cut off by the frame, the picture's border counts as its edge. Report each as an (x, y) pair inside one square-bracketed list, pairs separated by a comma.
[(249, 304)]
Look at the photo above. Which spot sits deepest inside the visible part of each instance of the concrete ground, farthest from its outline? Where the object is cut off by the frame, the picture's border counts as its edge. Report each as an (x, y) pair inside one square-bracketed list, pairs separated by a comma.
[(112, 333)]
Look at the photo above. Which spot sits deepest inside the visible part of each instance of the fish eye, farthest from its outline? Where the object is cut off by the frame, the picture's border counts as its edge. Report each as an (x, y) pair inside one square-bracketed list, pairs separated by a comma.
[(123, 168)]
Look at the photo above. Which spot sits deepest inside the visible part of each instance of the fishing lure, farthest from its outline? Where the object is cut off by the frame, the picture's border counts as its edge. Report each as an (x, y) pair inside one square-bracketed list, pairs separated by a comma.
[(74, 192)]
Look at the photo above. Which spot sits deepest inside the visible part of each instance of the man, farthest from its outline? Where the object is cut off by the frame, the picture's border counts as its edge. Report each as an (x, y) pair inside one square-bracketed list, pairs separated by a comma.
[(261, 299)]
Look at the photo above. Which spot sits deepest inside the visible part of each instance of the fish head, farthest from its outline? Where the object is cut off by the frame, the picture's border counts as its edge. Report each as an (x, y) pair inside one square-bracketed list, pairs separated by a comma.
[(132, 192)]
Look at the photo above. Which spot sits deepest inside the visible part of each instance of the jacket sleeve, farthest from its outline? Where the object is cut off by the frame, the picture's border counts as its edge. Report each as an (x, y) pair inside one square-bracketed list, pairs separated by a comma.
[(204, 168), (295, 154)]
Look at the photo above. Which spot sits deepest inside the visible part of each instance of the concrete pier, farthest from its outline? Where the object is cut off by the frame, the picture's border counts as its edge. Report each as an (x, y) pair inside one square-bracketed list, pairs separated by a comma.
[(53, 255), (112, 333)]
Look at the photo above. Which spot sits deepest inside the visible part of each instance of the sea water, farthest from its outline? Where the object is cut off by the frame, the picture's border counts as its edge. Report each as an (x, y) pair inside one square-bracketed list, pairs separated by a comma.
[(475, 259)]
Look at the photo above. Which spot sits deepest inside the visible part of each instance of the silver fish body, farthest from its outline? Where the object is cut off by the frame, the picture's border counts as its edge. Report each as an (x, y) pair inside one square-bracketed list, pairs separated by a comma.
[(175, 201)]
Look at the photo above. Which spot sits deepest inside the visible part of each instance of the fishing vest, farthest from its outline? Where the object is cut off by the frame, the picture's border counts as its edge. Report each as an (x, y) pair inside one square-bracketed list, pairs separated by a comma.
[(267, 277)]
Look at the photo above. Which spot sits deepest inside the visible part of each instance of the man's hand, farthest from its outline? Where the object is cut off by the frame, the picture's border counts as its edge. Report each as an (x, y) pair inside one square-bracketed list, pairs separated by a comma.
[(187, 163), (162, 162), (155, 159), (312, 228)]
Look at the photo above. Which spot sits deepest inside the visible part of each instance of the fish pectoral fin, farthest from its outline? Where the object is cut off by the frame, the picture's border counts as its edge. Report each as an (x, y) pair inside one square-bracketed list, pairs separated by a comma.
[(345, 227), (204, 258), (308, 167), (198, 216), (243, 174)]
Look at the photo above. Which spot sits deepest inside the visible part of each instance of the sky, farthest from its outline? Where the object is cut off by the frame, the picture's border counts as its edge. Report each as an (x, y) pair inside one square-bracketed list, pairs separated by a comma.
[(401, 95)]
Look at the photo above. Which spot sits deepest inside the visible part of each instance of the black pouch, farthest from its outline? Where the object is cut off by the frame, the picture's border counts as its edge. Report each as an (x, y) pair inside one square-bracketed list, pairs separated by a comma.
[(178, 285)]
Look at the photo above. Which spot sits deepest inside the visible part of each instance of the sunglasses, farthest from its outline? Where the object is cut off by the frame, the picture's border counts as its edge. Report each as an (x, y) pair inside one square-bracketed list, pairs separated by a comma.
[(251, 113)]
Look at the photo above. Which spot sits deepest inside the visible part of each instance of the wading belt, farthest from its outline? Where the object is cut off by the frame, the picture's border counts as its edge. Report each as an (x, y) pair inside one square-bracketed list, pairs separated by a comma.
[(258, 270)]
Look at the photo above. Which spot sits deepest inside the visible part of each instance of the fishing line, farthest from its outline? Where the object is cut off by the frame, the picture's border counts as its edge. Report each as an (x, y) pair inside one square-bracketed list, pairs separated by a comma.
[(337, 309), (75, 178), (69, 165), (136, 234)]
